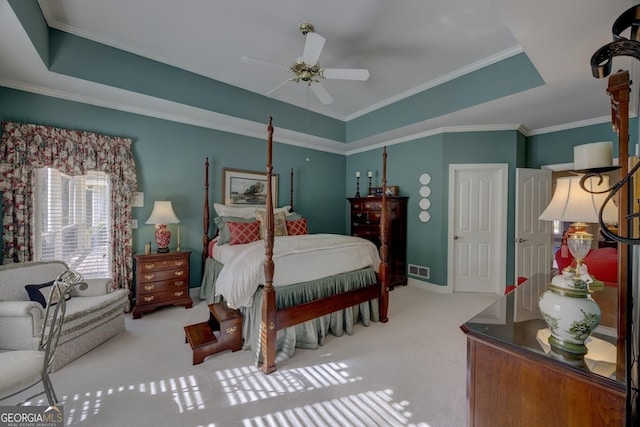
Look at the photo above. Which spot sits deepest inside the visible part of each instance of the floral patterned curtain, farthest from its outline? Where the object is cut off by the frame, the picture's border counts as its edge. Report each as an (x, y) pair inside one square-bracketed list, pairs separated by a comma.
[(24, 147)]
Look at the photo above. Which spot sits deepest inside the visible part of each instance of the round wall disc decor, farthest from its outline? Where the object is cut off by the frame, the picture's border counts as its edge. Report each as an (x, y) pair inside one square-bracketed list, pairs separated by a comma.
[(425, 179), (425, 204), (425, 191), (424, 216)]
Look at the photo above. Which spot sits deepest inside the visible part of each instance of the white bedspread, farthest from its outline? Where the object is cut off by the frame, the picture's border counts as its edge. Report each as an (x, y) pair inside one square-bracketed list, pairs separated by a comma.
[(296, 258)]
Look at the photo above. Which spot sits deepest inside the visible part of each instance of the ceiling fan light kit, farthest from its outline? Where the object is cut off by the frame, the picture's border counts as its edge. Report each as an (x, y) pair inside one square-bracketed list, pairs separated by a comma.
[(305, 28), (307, 69)]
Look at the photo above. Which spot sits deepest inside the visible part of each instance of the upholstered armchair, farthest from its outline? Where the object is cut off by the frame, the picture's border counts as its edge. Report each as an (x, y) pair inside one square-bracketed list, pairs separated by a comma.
[(93, 315)]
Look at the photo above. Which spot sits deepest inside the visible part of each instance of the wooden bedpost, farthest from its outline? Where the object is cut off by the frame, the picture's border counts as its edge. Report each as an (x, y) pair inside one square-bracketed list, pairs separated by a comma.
[(291, 191), (268, 327), (205, 217), (384, 248)]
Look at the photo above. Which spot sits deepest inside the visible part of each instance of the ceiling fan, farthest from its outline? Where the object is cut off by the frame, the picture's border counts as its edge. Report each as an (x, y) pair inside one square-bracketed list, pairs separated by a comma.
[(307, 69)]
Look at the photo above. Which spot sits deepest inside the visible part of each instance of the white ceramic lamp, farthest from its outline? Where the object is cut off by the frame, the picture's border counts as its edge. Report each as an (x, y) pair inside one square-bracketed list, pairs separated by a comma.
[(161, 215), (569, 311)]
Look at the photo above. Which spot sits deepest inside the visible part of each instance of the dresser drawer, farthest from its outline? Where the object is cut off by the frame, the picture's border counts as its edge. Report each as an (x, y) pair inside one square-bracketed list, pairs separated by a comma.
[(357, 206), (158, 275), (157, 265), (367, 231), (372, 205), (167, 285), (162, 297)]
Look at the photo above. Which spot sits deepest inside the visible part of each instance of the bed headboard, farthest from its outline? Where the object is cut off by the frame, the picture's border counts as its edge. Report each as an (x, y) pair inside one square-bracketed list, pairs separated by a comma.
[(206, 218)]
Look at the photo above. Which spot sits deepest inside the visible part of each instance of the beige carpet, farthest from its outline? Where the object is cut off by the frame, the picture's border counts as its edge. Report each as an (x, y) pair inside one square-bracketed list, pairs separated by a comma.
[(408, 372)]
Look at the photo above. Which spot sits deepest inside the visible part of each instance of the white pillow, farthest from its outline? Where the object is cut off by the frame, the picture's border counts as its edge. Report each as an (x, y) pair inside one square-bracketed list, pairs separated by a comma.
[(284, 209), (236, 211), (243, 211)]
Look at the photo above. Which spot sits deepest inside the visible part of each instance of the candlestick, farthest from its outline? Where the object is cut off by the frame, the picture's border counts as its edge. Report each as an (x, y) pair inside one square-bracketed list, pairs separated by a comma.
[(178, 243), (369, 174), (357, 185), (369, 193)]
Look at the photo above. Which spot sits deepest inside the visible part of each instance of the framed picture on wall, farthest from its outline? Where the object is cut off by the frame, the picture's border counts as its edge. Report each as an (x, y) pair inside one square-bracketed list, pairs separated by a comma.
[(247, 188), (391, 191)]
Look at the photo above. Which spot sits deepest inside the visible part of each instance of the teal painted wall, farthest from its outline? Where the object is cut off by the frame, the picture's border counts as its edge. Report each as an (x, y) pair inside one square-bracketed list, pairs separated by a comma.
[(427, 242), (170, 163), (557, 147)]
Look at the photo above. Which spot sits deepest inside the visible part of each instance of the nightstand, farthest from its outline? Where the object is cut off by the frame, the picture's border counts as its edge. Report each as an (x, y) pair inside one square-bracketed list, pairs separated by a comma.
[(161, 279)]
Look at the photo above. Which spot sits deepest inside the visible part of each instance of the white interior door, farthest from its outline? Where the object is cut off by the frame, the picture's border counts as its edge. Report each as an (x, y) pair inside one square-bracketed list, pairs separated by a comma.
[(477, 227), (533, 239)]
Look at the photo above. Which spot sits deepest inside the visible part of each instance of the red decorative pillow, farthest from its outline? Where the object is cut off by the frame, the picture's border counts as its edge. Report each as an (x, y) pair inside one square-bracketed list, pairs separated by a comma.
[(297, 227), (243, 232)]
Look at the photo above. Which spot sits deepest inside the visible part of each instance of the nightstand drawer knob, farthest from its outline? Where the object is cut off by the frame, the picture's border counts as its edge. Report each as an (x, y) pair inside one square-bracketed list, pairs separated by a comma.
[(149, 287), (178, 294), (179, 273), (149, 298), (149, 276), (178, 283), (149, 266), (178, 263)]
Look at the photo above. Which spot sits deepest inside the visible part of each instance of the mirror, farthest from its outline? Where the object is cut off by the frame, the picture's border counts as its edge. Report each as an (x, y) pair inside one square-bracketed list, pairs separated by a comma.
[(602, 262)]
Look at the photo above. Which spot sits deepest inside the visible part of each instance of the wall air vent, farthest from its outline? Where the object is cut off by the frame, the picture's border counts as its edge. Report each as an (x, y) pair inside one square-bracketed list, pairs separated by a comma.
[(418, 270)]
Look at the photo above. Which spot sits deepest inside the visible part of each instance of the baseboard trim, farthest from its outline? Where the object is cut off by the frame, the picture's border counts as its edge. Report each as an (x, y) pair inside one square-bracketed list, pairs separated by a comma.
[(420, 284)]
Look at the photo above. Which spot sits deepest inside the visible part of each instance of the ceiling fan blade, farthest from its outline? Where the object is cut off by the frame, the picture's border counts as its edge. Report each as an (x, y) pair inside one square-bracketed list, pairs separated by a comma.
[(262, 62), (321, 93), (277, 87), (345, 73), (312, 48)]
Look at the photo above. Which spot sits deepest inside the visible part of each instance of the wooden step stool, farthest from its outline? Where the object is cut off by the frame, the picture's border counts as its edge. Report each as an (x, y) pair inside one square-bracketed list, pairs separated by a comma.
[(202, 336)]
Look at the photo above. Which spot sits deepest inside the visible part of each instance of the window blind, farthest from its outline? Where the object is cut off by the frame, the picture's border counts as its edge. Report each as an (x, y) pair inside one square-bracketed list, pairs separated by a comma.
[(73, 220)]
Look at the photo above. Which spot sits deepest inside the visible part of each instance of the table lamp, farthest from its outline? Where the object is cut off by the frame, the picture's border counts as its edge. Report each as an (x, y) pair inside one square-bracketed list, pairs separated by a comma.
[(161, 215), (567, 307)]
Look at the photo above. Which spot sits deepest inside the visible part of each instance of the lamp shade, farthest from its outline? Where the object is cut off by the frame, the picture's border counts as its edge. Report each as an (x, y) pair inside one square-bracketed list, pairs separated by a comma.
[(571, 203), (162, 213)]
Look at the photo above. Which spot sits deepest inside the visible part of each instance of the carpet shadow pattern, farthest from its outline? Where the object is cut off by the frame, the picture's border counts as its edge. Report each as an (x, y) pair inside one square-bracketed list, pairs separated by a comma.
[(408, 372)]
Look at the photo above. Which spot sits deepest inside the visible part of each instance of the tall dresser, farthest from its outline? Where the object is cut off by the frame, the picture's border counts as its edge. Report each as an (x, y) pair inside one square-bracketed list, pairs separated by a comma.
[(365, 222), (161, 279)]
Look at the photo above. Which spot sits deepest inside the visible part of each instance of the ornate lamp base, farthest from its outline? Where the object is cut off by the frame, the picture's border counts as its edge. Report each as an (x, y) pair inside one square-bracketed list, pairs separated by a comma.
[(163, 237), (570, 313)]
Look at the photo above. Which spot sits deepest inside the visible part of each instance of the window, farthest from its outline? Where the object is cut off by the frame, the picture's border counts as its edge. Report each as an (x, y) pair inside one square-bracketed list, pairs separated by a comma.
[(73, 220)]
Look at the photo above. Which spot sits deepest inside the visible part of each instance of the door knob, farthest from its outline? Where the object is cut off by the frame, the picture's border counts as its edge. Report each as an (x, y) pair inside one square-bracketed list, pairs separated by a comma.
[(520, 240), (456, 237)]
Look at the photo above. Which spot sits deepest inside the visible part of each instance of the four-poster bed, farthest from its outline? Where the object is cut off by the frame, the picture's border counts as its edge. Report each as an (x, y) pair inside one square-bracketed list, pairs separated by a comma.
[(344, 293)]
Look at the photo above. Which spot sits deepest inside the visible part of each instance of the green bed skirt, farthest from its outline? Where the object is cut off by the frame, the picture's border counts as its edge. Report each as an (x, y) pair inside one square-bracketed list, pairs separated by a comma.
[(309, 334)]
